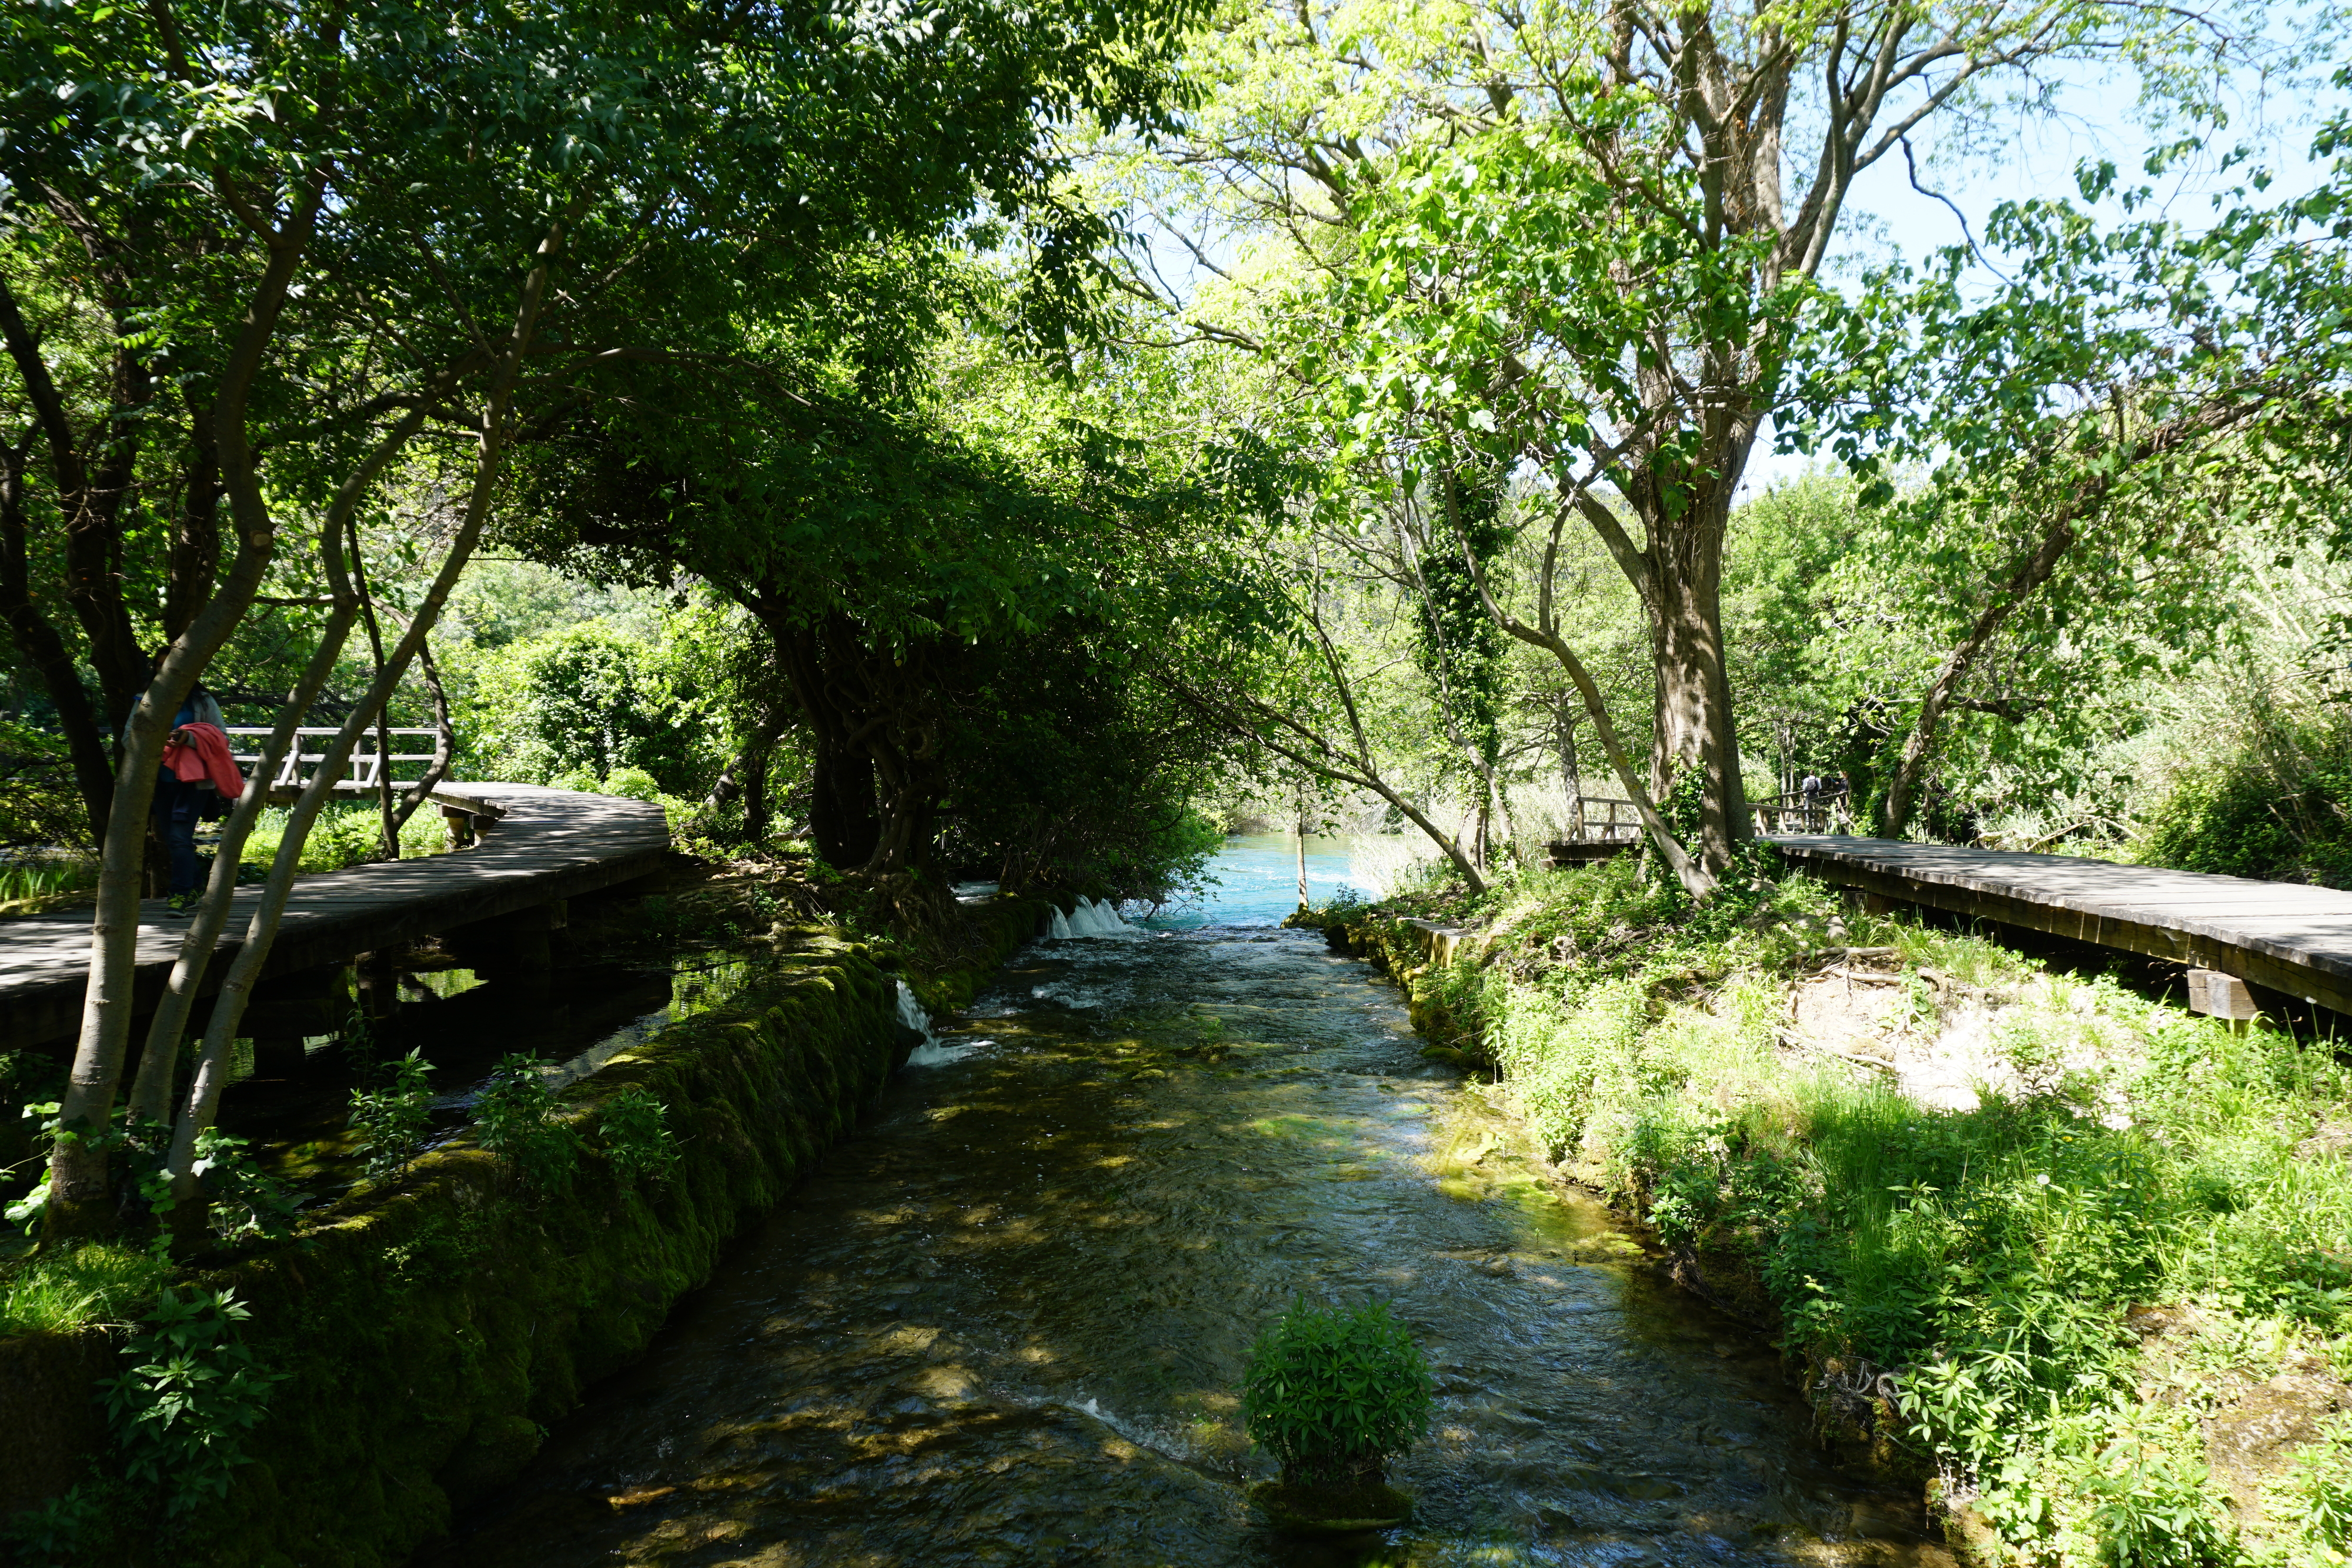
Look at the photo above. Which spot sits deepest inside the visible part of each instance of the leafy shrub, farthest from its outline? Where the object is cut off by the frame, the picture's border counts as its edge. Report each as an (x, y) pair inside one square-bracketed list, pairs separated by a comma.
[(2314, 1495), (246, 1201), (179, 1416), (514, 1116), (347, 833), (631, 784), (394, 1120), (637, 1136), (2150, 1511), (2276, 806), (1333, 1394)]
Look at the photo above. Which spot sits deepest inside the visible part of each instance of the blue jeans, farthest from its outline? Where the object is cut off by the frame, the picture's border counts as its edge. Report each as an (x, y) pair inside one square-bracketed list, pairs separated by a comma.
[(176, 811)]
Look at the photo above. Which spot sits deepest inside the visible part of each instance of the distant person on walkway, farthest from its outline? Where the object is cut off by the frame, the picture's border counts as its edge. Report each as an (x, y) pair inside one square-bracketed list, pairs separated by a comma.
[(197, 777), (1810, 790)]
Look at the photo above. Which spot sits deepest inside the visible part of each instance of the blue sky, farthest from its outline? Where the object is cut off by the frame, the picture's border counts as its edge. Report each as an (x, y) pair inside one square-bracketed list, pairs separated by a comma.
[(2094, 119)]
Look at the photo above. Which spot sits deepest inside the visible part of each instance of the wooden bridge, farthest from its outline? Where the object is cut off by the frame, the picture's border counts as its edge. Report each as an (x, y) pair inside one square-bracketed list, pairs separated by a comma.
[(2283, 936), (501, 898)]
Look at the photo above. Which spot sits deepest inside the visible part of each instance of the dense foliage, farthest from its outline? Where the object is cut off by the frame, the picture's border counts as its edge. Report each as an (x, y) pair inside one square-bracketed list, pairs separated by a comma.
[(2035, 1285), (1335, 1392)]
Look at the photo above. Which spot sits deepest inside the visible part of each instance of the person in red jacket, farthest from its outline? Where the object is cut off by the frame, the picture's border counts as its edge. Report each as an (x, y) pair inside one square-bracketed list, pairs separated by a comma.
[(197, 777)]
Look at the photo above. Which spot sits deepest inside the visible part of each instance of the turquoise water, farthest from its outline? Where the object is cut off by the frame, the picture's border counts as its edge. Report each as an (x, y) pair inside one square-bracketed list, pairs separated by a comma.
[(1255, 880)]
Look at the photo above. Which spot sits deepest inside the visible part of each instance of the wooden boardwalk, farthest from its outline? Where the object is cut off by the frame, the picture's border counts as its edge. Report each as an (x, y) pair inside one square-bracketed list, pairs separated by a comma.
[(547, 844), (2283, 935)]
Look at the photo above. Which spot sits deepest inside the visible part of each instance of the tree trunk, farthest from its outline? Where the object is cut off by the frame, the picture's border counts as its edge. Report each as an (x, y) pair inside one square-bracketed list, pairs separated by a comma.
[(78, 1163), (755, 793), (384, 809), (1694, 725), (150, 1090), (1690, 871), (843, 818), (236, 986), (444, 741), (196, 542), (747, 774), (1919, 747), (843, 815), (1571, 769), (40, 645)]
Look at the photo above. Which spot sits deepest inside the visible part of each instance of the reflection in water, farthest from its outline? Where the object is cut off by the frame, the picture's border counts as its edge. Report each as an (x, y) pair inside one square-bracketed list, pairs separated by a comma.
[(1005, 1321), (296, 1108)]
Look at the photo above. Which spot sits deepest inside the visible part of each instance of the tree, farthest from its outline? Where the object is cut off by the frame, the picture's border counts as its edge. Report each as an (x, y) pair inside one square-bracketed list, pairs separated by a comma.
[(1566, 238), (898, 571), (2099, 423), (444, 229)]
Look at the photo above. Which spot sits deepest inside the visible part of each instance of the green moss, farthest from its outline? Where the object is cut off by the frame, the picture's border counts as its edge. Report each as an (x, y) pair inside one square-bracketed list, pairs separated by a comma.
[(433, 1326)]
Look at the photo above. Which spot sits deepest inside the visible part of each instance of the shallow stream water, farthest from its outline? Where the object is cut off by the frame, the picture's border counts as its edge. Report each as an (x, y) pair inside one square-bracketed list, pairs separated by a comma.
[(1005, 1321)]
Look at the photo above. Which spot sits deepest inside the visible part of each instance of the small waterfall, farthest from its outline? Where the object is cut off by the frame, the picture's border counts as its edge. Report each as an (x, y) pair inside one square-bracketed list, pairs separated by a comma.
[(931, 1053), (1061, 926), (1087, 918)]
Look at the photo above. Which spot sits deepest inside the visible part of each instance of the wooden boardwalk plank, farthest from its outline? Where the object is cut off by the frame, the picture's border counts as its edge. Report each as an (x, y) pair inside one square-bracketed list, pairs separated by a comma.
[(549, 844), (2293, 938)]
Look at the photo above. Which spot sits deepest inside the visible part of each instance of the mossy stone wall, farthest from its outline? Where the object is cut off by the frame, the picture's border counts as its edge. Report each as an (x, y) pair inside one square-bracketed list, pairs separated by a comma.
[(431, 1328)]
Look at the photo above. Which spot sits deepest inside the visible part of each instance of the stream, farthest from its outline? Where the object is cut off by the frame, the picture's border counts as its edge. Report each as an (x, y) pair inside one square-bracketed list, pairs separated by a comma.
[(1005, 1321)]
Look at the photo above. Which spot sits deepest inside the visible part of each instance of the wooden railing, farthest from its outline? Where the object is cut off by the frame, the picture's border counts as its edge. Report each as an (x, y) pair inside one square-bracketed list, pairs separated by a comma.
[(361, 772), (1793, 813), (1598, 820)]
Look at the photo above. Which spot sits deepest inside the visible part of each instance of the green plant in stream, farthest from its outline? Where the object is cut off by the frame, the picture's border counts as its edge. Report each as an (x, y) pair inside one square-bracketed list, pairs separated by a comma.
[(394, 1120), (514, 1116), (636, 1135), (180, 1414), (1335, 1393)]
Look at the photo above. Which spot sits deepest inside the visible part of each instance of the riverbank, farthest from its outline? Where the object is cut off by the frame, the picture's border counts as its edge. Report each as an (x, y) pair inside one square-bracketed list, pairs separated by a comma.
[(2078, 1263), (417, 1335)]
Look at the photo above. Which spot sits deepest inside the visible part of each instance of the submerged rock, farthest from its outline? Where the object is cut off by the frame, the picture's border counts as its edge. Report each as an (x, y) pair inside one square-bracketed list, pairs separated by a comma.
[(1315, 1511)]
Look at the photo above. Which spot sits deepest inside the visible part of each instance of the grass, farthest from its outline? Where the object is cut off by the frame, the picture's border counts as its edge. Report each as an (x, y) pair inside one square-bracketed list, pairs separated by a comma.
[(37, 875), (1976, 1282), (58, 1292), (347, 833)]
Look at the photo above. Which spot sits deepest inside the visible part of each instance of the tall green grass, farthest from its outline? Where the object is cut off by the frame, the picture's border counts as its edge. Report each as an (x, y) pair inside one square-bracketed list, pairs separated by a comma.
[(41, 875), (57, 1293)]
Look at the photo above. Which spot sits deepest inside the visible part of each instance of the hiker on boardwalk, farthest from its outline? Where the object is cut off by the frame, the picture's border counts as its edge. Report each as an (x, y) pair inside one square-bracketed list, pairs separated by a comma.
[(197, 781)]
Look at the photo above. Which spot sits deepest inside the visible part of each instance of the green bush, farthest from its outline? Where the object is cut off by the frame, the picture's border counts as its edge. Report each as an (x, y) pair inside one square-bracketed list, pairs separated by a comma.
[(179, 1416), (631, 784), (634, 1127), (1335, 1393), (515, 1118), (2276, 807), (393, 1120), (347, 833)]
